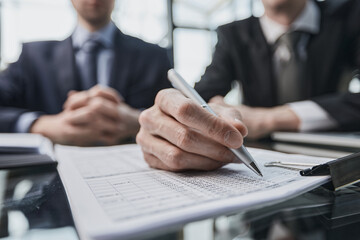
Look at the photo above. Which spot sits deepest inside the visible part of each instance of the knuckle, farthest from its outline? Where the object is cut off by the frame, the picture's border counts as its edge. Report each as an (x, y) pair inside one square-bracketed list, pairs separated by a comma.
[(96, 104), (70, 100), (98, 92), (78, 97), (161, 96), (186, 110), (145, 117), (95, 91), (139, 137), (152, 120), (183, 137), (173, 159), (217, 128)]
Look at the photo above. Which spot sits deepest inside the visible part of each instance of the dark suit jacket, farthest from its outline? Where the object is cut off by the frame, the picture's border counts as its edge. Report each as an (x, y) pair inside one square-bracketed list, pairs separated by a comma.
[(242, 53), (46, 71)]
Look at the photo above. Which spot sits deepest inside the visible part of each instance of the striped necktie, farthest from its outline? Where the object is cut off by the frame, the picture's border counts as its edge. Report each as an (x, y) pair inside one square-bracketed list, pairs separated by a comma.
[(91, 49), (289, 68)]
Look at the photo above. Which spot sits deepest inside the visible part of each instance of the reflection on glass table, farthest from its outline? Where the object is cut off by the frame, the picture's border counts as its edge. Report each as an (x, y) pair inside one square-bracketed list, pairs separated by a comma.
[(33, 205), (319, 214)]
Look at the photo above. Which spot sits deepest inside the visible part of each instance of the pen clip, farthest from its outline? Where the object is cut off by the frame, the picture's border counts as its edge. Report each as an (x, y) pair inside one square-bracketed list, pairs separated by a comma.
[(289, 165)]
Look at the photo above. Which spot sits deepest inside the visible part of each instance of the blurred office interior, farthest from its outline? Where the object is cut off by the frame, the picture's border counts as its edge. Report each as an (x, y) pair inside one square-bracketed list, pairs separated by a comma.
[(185, 27)]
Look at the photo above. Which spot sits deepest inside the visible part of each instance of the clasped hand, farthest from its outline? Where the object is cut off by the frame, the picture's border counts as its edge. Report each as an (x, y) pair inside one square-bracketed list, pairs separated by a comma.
[(94, 117)]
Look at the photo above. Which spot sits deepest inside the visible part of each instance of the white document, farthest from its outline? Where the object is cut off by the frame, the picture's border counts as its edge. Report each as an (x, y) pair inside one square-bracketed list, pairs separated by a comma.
[(114, 194)]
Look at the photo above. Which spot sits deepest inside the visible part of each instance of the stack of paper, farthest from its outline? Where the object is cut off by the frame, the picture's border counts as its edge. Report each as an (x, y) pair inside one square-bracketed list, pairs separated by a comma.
[(113, 193)]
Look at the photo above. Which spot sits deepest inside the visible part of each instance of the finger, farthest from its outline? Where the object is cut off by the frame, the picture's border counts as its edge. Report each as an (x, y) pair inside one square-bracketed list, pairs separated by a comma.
[(84, 135), (108, 139), (104, 107), (72, 92), (217, 99), (240, 125), (95, 121), (77, 100), (231, 115), (191, 114), (82, 116), (187, 139), (106, 92), (81, 136), (107, 126), (154, 162), (172, 156)]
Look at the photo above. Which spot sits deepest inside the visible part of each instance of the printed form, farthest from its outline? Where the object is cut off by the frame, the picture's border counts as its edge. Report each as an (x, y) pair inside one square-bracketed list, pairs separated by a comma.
[(113, 193)]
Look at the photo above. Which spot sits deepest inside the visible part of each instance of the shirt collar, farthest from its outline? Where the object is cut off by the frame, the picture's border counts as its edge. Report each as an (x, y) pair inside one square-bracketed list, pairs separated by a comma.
[(105, 35), (307, 21)]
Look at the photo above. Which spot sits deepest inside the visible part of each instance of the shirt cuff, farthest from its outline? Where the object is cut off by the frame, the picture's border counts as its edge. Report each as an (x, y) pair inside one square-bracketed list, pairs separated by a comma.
[(312, 116), (25, 121)]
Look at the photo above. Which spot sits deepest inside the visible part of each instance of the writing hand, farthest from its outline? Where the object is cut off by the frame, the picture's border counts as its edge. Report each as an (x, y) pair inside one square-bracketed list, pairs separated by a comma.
[(177, 134)]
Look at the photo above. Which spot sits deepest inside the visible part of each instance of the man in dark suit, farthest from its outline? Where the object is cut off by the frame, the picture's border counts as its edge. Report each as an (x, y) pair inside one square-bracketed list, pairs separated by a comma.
[(295, 52), (325, 43), (88, 89)]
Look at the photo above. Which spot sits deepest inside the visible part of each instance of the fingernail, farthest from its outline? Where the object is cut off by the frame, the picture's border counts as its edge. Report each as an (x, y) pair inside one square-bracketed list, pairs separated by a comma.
[(238, 120), (232, 139)]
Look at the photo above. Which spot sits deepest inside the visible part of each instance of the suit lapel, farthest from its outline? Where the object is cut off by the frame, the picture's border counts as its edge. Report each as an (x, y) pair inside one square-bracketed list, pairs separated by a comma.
[(322, 55), (121, 68), (65, 69)]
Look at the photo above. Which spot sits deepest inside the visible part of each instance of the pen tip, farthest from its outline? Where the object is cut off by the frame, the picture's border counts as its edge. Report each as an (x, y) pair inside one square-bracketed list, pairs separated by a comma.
[(256, 169)]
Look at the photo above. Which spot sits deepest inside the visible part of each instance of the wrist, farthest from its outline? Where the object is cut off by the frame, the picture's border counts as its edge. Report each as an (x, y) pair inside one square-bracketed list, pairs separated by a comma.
[(282, 118), (42, 126)]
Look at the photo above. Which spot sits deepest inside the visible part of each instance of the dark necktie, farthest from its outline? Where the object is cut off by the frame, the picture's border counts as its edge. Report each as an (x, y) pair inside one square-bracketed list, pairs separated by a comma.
[(290, 67), (91, 49)]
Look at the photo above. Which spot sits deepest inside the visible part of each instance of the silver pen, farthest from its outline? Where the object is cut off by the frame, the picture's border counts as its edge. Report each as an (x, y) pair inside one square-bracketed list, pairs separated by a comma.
[(179, 83)]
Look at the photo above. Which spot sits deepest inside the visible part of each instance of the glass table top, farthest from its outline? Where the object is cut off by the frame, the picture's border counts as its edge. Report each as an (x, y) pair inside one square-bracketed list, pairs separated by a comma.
[(33, 205)]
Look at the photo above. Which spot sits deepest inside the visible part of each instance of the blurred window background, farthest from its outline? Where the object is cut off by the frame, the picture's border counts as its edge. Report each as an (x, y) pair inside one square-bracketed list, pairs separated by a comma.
[(192, 39), (185, 27)]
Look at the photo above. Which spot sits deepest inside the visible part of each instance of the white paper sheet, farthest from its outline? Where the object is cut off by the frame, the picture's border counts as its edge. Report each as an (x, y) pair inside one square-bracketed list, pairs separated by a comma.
[(113, 193)]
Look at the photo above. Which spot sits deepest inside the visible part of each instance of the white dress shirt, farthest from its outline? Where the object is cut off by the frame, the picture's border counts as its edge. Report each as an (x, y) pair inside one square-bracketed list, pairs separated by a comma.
[(312, 116)]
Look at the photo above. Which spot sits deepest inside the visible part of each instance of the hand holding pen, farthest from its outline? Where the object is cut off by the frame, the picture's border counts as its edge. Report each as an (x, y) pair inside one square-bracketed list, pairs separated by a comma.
[(178, 134)]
